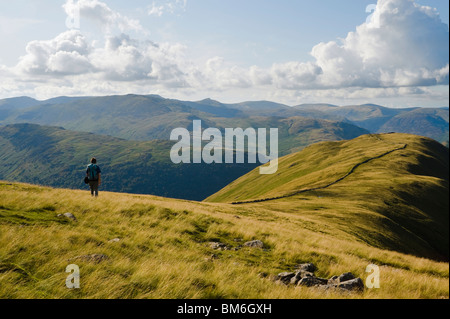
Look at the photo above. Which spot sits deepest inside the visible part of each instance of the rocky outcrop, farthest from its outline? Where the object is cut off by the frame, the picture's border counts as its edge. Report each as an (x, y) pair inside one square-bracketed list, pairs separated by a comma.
[(307, 267), (352, 285), (299, 275), (304, 276), (285, 277), (312, 281), (254, 243)]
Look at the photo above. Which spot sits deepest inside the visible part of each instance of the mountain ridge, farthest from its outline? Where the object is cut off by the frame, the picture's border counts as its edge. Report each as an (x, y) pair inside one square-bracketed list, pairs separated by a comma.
[(147, 117)]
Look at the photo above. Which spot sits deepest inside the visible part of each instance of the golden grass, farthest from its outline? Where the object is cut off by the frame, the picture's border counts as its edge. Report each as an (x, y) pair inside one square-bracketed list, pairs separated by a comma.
[(163, 251)]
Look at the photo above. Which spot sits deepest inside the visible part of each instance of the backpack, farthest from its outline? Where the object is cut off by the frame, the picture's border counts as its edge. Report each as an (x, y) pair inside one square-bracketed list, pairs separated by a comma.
[(93, 172)]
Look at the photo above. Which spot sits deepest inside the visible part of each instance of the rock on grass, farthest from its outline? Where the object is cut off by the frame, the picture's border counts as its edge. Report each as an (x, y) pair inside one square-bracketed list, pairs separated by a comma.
[(254, 243), (69, 216)]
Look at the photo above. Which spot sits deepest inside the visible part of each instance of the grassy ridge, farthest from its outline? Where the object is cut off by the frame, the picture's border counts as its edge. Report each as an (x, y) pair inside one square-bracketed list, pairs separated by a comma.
[(323, 163), (388, 190), (163, 250)]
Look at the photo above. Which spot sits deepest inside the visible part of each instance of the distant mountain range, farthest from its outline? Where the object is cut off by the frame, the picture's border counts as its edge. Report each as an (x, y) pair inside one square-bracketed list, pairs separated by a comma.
[(143, 118), (429, 122), (48, 142), (147, 117)]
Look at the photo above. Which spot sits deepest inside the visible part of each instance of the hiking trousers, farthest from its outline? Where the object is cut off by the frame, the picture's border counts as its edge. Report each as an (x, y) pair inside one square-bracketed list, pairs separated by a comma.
[(93, 185)]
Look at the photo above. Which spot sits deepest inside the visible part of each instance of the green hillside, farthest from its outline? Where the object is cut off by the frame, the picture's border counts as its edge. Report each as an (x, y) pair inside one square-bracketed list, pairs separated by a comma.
[(390, 190), (56, 157)]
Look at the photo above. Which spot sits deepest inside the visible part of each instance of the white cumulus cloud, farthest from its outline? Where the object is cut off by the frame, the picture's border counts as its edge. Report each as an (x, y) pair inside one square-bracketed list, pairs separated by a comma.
[(158, 8), (405, 44), (65, 54), (402, 50), (102, 14)]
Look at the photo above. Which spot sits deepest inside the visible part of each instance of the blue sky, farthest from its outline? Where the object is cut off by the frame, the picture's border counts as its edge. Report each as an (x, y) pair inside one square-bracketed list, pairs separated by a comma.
[(228, 50)]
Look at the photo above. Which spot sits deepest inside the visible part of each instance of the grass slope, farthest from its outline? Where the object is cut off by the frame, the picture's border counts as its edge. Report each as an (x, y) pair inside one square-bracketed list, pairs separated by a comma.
[(389, 190), (163, 250)]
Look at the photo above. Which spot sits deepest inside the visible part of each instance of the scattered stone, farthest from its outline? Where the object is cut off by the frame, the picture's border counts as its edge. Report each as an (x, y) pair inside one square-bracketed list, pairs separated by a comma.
[(114, 240), (238, 240), (97, 258), (217, 246), (312, 281), (285, 277), (304, 276), (309, 267), (333, 280), (336, 280), (68, 215), (346, 277), (299, 275), (254, 243), (263, 275), (352, 285)]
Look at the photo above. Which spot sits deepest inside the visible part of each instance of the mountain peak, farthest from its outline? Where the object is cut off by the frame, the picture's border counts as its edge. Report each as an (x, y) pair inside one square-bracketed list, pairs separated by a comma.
[(210, 102)]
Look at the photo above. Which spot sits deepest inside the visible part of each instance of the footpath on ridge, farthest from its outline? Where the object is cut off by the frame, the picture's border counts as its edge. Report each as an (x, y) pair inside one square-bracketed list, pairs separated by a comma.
[(352, 170)]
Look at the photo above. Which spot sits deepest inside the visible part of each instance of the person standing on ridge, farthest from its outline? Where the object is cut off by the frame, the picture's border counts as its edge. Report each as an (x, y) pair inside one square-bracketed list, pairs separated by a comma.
[(93, 173)]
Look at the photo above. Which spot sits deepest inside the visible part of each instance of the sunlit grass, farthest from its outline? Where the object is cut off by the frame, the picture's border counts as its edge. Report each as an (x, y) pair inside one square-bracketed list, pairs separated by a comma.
[(163, 250)]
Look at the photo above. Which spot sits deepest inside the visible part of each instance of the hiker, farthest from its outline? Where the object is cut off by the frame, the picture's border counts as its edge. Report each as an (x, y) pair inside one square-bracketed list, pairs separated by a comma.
[(93, 173)]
